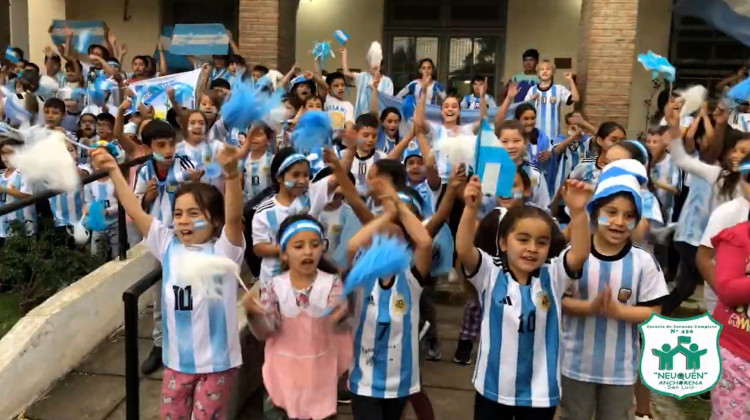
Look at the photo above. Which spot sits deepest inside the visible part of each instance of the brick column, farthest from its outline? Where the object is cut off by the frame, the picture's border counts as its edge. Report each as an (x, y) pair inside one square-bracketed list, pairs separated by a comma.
[(268, 31), (606, 56)]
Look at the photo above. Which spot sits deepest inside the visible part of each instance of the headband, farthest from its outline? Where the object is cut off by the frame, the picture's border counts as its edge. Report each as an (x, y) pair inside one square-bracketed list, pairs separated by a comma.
[(289, 161), (297, 227)]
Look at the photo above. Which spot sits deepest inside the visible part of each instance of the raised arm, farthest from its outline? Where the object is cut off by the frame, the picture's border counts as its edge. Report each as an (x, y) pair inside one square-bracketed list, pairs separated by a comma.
[(421, 239), (128, 146), (420, 111), (345, 64), (467, 253), (398, 150), (163, 70), (576, 194), (574, 95), (362, 238), (288, 76), (502, 113), (443, 212), (374, 100), (232, 45), (340, 172), (229, 157), (433, 176), (685, 162), (482, 107)]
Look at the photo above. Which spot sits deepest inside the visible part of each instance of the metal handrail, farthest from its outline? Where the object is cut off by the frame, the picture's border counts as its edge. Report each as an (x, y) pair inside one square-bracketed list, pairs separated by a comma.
[(130, 301)]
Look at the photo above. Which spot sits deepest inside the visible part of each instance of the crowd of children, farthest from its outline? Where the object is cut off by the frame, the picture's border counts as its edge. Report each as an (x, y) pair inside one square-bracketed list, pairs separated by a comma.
[(561, 272)]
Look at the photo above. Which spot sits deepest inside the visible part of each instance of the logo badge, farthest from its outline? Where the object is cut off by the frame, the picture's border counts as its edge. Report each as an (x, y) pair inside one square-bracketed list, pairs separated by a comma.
[(680, 357), (399, 305)]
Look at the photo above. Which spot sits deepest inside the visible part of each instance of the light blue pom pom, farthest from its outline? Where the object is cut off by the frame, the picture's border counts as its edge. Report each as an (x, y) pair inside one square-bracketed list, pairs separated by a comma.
[(741, 91), (408, 107), (247, 105), (95, 220), (385, 257), (313, 130), (658, 65), (322, 51), (213, 170)]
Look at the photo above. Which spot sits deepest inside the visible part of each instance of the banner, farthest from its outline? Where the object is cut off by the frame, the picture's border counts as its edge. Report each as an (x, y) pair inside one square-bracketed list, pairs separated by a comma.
[(729, 16), (95, 29), (153, 92), (200, 39), (174, 62)]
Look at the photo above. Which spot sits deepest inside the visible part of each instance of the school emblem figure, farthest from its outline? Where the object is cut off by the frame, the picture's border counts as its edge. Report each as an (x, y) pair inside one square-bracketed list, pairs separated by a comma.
[(680, 357)]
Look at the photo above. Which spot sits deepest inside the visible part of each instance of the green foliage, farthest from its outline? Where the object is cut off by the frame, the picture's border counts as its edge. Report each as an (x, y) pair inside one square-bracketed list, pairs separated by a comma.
[(38, 266), (10, 312)]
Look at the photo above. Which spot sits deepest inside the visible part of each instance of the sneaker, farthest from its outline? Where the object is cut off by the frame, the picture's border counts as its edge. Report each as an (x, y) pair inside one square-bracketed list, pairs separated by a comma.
[(153, 361), (344, 397), (463, 352), (433, 352)]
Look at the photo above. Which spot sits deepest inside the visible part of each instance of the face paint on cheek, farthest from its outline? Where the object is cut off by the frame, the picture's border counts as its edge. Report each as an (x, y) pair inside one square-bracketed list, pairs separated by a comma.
[(158, 157), (602, 221), (200, 224), (290, 184), (517, 194)]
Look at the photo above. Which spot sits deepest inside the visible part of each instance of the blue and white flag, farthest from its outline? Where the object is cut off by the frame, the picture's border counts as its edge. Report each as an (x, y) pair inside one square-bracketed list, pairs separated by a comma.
[(729, 16), (200, 39), (492, 163), (11, 55), (93, 30), (153, 92), (174, 62)]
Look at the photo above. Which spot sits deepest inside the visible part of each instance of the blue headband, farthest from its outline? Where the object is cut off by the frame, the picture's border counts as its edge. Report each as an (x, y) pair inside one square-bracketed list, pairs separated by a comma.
[(289, 161), (297, 227)]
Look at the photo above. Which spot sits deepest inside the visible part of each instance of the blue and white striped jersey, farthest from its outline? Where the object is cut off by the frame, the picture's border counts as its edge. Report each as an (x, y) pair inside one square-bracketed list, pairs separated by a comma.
[(668, 173), (472, 101), (386, 342), (587, 171), (573, 154), (364, 91), (67, 208), (435, 91), (437, 132), (539, 190), (548, 104), (518, 362), (201, 155), (361, 166), (27, 215), (163, 206), (200, 331), (103, 191), (257, 174), (598, 349)]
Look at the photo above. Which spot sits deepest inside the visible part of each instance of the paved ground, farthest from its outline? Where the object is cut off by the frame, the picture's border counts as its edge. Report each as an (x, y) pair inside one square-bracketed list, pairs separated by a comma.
[(95, 390)]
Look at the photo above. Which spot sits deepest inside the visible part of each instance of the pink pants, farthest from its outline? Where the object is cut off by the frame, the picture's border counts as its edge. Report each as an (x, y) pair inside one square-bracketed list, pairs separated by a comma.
[(186, 396), (729, 397)]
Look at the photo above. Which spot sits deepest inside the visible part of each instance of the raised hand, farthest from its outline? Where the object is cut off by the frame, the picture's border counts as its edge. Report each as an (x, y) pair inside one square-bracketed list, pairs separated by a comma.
[(577, 194), (512, 90), (569, 77), (331, 158), (151, 190), (104, 160), (473, 192), (458, 176)]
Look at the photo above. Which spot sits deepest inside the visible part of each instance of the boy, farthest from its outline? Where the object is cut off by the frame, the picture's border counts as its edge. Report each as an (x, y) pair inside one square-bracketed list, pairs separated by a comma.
[(665, 175), (528, 77), (13, 187), (53, 112), (107, 240), (472, 101), (548, 98), (364, 81), (367, 138), (339, 110), (571, 147), (257, 166), (67, 208)]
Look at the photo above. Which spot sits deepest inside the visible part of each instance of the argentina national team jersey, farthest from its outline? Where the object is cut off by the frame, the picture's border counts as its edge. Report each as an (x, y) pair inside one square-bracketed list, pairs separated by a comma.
[(200, 332), (587, 171), (67, 208), (26, 215), (569, 159), (668, 173), (163, 206), (519, 358), (102, 191), (361, 166), (257, 175), (386, 343), (602, 350), (364, 91), (548, 105), (695, 212), (539, 190)]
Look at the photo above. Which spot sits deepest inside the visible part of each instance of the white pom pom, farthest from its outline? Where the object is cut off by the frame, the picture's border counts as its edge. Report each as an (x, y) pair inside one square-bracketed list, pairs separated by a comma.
[(79, 233), (458, 150), (199, 270), (375, 54), (48, 161), (693, 98), (275, 77)]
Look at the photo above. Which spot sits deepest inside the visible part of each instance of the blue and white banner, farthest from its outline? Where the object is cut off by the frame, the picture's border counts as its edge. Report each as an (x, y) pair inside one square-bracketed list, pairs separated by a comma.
[(200, 39), (94, 30), (174, 62), (432, 112), (729, 16), (153, 92)]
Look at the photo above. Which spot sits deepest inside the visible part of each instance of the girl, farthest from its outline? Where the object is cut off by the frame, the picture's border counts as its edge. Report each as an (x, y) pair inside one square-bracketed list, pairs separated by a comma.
[(257, 167), (608, 134), (385, 369), (199, 370), (538, 145), (569, 149), (511, 136), (517, 373), (622, 286), (195, 146), (293, 195), (426, 83), (390, 122), (306, 351)]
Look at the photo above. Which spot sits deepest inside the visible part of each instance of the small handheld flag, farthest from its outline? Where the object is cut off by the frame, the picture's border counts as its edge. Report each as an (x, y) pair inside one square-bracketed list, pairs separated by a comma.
[(341, 36), (321, 51), (658, 65), (11, 55), (493, 165)]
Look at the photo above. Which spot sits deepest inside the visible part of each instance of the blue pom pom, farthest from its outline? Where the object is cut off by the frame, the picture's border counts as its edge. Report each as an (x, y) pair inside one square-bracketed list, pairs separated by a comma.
[(95, 220), (658, 65), (97, 91), (741, 91), (408, 107), (313, 130), (385, 257), (247, 105), (321, 51), (11, 55), (213, 170)]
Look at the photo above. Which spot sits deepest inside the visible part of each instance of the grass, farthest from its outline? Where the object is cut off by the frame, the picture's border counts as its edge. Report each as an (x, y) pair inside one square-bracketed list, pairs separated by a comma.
[(694, 408), (10, 313)]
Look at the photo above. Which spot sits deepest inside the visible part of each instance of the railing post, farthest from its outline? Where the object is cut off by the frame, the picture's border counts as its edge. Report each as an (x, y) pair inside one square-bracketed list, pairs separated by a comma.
[(132, 399), (122, 229)]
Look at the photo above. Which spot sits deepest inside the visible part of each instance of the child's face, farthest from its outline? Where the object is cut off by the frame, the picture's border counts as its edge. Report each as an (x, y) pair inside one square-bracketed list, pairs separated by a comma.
[(513, 143), (528, 121), (368, 138), (104, 129), (53, 117), (208, 108), (164, 150), (616, 153), (426, 69), (314, 104), (258, 140), (518, 194), (296, 179), (739, 151), (87, 125), (416, 170), (303, 91), (52, 65), (655, 144), (529, 64), (338, 88), (476, 86), (6, 152), (139, 67), (303, 252), (527, 245), (220, 62), (191, 224), (546, 71), (451, 110), (572, 128), (196, 125), (616, 221), (72, 76), (612, 138), (391, 123)]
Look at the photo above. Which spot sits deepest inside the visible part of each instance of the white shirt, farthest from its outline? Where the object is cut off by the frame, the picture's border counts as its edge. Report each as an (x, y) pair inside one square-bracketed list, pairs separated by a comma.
[(200, 331), (361, 166), (438, 132), (340, 112)]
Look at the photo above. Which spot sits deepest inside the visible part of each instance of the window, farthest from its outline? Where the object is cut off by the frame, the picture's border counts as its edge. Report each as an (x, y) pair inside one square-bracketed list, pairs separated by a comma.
[(406, 52), (469, 57), (225, 12)]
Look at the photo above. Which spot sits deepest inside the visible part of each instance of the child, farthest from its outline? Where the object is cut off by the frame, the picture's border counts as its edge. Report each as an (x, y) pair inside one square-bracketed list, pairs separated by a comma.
[(331, 220), (200, 151), (622, 286), (549, 98), (517, 373), (434, 92), (589, 169), (306, 351), (385, 369), (390, 122), (364, 82), (339, 110), (293, 195), (528, 78), (472, 101), (257, 167), (103, 190), (14, 187), (367, 132), (54, 112), (68, 208), (666, 176), (571, 149), (511, 136), (201, 361)]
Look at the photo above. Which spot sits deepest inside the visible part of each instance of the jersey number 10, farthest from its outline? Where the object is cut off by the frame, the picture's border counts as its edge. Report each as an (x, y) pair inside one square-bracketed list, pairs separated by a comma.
[(527, 323), (183, 298)]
